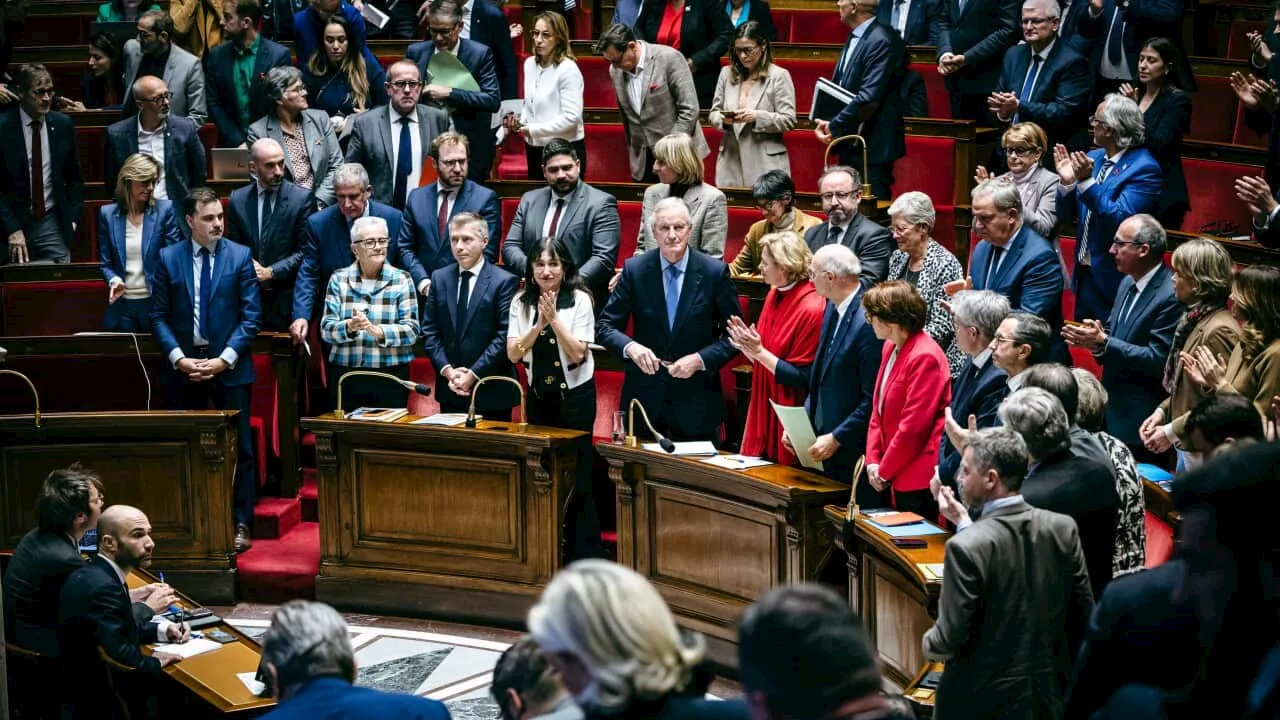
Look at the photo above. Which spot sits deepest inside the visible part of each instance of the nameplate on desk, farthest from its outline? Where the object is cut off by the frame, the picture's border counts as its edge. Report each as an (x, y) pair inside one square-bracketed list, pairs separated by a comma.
[(695, 448)]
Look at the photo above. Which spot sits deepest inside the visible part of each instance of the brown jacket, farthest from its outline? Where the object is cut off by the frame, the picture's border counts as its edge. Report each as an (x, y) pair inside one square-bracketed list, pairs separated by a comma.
[(747, 263), (1257, 380), (197, 24), (1220, 333)]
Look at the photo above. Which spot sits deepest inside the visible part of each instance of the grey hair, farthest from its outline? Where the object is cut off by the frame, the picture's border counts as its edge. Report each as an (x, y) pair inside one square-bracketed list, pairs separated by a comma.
[(369, 221), (448, 9), (915, 207), (838, 260), (981, 309), (306, 640), (621, 630), (1150, 233), (1124, 117), (470, 220), (846, 169), (1092, 408), (1050, 7), (1039, 418), (1003, 450), (349, 174), (1003, 193), (671, 203), (280, 79)]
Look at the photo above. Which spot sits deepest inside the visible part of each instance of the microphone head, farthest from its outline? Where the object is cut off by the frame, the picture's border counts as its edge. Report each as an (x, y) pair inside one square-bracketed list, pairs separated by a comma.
[(421, 389), (665, 443)]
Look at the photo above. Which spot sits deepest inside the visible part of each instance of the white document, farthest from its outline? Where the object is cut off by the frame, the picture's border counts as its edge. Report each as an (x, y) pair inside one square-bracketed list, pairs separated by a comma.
[(508, 107), (686, 449), (795, 421), (736, 462), (190, 648), (445, 419), (253, 685), (374, 16)]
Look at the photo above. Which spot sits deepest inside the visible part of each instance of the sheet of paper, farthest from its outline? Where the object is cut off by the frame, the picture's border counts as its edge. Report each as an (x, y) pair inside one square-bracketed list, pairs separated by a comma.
[(446, 419), (508, 107), (932, 571), (253, 686), (190, 648), (686, 449), (912, 530), (736, 462), (795, 421)]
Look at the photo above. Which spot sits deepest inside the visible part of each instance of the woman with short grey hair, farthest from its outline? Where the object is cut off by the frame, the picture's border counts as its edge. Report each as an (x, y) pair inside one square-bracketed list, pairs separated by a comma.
[(926, 265), (1131, 522), (1040, 419), (311, 150)]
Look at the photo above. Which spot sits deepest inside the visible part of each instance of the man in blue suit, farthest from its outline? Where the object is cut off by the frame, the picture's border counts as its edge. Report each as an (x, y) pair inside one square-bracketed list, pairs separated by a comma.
[(677, 345), (423, 244), (1117, 180), (470, 110), (489, 27), (980, 386), (911, 18), (227, 85), (842, 379), (308, 656), (464, 323), (326, 244), (1138, 337), (972, 37), (206, 313), (1014, 260), (1043, 80), (1116, 32)]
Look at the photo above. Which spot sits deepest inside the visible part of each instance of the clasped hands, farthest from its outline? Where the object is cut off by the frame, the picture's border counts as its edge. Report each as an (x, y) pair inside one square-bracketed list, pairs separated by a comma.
[(649, 363), (461, 380), (1089, 335), (949, 63), (201, 370), (360, 323), (511, 123)]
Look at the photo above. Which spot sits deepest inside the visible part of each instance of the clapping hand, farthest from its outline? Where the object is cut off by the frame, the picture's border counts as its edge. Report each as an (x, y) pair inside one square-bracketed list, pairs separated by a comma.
[(546, 309), (956, 286), (1253, 92), (1259, 45), (1130, 92), (950, 506), (1003, 105), (1072, 167), (980, 174), (358, 322), (1088, 334), (1203, 367), (958, 435), (1256, 194), (745, 338)]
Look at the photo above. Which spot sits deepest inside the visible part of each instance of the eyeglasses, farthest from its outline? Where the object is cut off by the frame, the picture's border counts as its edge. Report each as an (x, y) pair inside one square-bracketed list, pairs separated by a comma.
[(1020, 151), (162, 97), (841, 196), (374, 242), (405, 85), (1000, 340), (900, 229), (43, 92), (458, 162), (764, 204), (1126, 242), (747, 51), (1036, 22), (297, 90), (440, 32)]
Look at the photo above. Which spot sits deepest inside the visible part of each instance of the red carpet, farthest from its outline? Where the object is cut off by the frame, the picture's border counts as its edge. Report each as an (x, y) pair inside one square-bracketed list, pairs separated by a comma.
[(273, 571)]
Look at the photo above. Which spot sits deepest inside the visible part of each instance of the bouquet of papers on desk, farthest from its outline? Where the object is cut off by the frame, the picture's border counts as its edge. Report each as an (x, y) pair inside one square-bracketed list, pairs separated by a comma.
[(377, 414)]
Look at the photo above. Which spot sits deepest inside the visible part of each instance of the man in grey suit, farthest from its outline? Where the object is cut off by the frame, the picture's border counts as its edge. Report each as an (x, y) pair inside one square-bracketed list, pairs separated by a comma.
[(1015, 595), (153, 53), (656, 96), (841, 189), (569, 209), (378, 136), (172, 140)]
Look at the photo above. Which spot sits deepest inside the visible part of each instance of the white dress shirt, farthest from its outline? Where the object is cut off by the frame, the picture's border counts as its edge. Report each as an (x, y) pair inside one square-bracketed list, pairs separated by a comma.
[(466, 9), (471, 286), (635, 80), (228, 355), (45, 154), (552, 101), (152, 143), (966, 521), (415, 142)]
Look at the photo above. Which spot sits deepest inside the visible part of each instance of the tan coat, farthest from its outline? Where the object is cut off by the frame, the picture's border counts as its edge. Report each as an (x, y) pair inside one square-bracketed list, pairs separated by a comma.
[(1257, 380), (748, 151), (669, 105), (197, 24), (1220, 333), (747, 263)]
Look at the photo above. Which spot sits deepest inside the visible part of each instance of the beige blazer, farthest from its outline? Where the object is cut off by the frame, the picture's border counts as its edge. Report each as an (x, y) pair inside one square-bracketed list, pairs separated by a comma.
[(1257, 380), (669, 105), (1220, 333), (707, 208), (748, 151)]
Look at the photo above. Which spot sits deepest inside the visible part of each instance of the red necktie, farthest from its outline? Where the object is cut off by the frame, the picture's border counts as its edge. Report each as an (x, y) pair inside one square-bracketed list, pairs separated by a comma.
[(555, 219), (442, 223), (37, 172)]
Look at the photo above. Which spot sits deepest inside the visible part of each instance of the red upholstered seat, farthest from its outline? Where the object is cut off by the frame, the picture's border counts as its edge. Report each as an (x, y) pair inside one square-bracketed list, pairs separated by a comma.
[(714, 137), (740, 221), (1213, 110), (607, 153), (805, 151), (608, 395), (597, 89), (930, 167), (1159, 540), (817, 26), (1247, 133), (53, 308), (782, 19), (422, 371), (805, 74), (629, 221), (262, 411), (1214, 199), (90, 142), (935, 88)]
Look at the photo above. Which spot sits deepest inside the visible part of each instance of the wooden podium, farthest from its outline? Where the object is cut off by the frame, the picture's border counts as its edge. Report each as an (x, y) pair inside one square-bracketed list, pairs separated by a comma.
[(441, 521), (712, 540), (177, 467)]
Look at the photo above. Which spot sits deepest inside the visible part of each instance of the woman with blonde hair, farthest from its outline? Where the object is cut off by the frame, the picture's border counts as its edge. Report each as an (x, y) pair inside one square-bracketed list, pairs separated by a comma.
[(679, 171), (925, 264), (131, 232), (553, 90), (754, 104), (1024, 145), (784, 342), (613, 640)]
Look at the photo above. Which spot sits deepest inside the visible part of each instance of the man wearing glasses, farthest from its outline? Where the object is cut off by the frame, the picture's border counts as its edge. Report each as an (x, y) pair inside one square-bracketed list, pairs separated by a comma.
[(841, 189), (153, 53), (39, 175), (392, 141)]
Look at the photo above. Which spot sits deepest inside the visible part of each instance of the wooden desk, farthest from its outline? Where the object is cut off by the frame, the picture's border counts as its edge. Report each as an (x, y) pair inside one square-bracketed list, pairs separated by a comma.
[(891, 594), (441, 521), (712, 540)]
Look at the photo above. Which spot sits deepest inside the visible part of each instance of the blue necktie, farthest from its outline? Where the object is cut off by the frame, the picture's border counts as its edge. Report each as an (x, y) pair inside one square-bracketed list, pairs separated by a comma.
[(896, 13), (404, 164), (1115, 38), (1082, 255), (1028, 84), (673, 294), (206, 292)]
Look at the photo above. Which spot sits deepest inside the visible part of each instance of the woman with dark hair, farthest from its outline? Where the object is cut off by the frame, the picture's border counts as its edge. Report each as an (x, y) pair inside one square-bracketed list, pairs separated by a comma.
[(339, 81), (774, 193), (102, 87), (699, 29), (553, 90), (311, 151), (122, 10), (1165, 100), (754, 104)]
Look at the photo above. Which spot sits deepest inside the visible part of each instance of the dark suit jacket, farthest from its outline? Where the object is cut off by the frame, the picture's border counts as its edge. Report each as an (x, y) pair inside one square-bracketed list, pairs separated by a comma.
[(184, 158), (235, 314), (982, 31), (589, 228), (874, 75), (220, 87), (477, 341), (331, 697), (94, 610), (760, 11), (1030, 275), (869, 240), (469, 109), (279, 247), (1134, 356), (919, 16), (41, 563), (489, 27), (977, 394), (326, 246), (159, 230), (705, 36), (840, 384), (308, 33), (1059, 102), (370, 144), (420, 248), (15, 173), (1085, 489), (1143, 20), (694, 406), (1167, 120)]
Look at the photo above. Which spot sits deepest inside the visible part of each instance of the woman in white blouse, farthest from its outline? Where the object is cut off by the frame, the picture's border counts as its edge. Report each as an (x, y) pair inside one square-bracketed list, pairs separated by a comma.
[(131, 232), (552, 94)]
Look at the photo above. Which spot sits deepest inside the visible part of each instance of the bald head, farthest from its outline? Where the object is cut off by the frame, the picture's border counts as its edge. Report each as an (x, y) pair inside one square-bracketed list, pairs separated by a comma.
[(124, 536), (266, 162), (151, 96), (834, 270)]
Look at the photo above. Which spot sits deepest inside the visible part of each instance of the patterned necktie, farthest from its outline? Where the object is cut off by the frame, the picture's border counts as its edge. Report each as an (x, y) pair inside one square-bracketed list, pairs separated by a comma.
[(673, 294), (1082, 253)]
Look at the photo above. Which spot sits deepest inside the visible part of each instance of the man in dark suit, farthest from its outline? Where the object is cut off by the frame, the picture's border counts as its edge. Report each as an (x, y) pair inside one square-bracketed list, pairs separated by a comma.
[(1117, 180), (842, 379), (38, 209), (464, 322), (1015, 595), (488, 27), (1138, 336), (1043, 80), (207, 310), (392, 141), (911, 18), (972, 37), (173, 140), (1117, 32), (871, 66), (269, 216), (235, 72), (677, 346), (585, 218), (980, 386), (423, 244), (94, 612), (470, 109), (841, 189), (326, 244)]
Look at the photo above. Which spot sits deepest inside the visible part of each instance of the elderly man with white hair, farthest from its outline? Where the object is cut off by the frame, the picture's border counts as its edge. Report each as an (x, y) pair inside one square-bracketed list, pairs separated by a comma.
[(1042, 80), (925, 264), (980, 386), (370, 319)]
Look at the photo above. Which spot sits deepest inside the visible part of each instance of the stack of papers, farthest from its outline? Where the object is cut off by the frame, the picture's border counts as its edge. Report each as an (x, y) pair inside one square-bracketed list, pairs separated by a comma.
[(377, 414), (914, 529), (736, 462), (445, 419), (932, 571)]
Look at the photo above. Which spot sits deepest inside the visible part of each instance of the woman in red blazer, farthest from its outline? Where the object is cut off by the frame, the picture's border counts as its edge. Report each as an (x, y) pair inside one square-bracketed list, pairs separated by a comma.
[(913, 388)]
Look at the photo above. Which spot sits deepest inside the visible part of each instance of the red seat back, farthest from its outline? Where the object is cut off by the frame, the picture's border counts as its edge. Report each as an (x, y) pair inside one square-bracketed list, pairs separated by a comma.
[(422, 371), (805, 74), (1159, 540), (607, 153), (930, 167), (52, 308), (935, 89), (1238, 46), (740, 221), (629, 223), (817, 26), (597, 91), (1213, 110), (1214, 199)]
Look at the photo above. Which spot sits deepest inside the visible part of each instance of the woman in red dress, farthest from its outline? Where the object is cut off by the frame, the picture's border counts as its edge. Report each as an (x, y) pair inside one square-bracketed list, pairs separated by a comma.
[(788, 329)]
